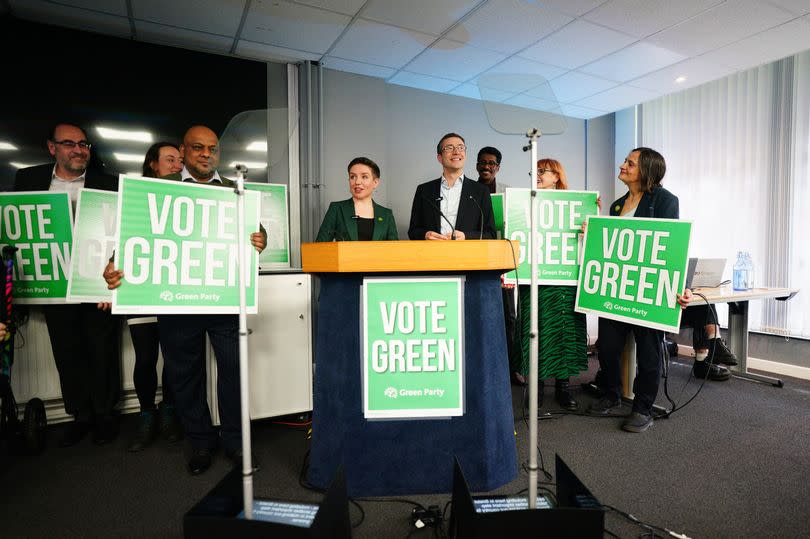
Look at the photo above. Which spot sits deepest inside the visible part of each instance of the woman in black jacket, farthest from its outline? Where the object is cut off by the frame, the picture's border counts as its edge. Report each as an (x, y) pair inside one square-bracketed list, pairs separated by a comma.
[(642, 172)]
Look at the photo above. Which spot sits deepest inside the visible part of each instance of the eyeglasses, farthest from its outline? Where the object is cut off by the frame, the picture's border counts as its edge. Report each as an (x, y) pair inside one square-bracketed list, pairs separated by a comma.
[(83, 144), (492, 164), (541, 171), (450, 148)]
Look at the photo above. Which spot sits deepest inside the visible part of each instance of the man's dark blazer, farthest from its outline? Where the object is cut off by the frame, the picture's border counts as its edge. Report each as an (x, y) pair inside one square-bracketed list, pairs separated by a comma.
[(425, 211), (38, 178), (659, 203), (340, 224)]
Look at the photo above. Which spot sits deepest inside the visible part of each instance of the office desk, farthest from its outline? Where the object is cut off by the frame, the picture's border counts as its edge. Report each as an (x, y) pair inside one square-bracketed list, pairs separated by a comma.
[(737, 330)]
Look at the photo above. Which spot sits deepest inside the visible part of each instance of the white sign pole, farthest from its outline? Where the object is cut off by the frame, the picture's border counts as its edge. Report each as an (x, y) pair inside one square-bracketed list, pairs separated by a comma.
[(534, 345), (247, 465)]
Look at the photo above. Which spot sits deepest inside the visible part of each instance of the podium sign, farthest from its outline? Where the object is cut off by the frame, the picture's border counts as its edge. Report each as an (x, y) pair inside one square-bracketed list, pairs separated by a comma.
[(560, 216), (40, 226), (413, 358), (632, 270)]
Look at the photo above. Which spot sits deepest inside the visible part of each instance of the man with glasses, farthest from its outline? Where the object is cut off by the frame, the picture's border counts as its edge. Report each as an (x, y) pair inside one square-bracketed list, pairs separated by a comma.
[(84, 339), (453, 206)]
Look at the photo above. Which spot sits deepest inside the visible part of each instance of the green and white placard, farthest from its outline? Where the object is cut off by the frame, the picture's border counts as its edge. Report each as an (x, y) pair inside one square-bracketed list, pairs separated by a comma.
[(632, 270), (40, 226), (275, 218), (413, 356), (93, 245), (560, 216), (177, 246), (497, 212)]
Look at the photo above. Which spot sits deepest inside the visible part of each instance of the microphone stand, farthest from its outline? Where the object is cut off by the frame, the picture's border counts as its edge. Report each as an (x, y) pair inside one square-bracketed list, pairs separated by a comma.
[(534, 345), (247, 456)]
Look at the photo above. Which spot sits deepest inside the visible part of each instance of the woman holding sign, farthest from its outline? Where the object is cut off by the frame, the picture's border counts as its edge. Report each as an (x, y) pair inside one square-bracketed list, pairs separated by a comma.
[(563, 343), (642, 172), (359, 218), (162, 159)]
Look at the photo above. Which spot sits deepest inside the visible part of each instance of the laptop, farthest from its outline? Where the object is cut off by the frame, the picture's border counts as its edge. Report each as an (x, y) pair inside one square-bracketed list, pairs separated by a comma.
[(705, 272)]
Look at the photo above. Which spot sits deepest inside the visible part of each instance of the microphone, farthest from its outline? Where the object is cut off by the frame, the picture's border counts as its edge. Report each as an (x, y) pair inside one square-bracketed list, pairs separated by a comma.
[(481, 211), (435, 207)]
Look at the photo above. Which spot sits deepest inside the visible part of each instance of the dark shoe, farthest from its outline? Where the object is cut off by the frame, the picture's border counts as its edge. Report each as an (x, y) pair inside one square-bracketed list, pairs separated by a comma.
[(703, 370), (169, 424), (518, 379), (722, 355), (562, 395), (591, 388), (235, 457), (604, 406), (106, 430), (199, 461), (147, 429), (637, 422), (73, 433)]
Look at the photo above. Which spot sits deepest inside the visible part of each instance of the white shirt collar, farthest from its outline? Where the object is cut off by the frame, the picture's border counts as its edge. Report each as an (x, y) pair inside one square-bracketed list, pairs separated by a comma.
[(186, 175), (446, 183), (54, 176)]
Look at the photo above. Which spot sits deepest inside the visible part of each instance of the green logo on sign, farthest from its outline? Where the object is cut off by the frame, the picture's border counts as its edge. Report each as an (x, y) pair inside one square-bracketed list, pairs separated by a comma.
[(632, 270), (413, 347)]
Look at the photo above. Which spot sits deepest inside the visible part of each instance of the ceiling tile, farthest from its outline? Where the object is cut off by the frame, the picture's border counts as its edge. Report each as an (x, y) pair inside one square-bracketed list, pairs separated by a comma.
[(534, 103), (264, 52), (797, 7), (508, 26), (221, 18), (415, 80), (375, 43), (169, 35), (347, 7), (773, 44), (642, 18), (71, 17), (695, 70), (357, 67), (574, 86), (113, 7), (293, 26), (617, 98), (739, 19), (574, 8), (592, 42), (632, 62), (421, 15), (472, 91), (454, 60), (583, 113), (517, 74)]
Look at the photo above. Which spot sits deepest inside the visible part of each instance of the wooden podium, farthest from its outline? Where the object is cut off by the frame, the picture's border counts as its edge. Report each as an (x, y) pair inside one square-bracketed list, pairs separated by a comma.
[(411, 456)]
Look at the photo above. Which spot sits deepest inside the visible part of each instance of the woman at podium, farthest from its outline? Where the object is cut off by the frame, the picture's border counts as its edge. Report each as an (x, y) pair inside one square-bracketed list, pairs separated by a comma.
[(359, 218), (563, 346)]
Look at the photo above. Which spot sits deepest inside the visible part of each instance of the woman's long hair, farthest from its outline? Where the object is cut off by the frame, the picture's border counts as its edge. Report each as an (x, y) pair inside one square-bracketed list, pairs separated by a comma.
[(153, 154)]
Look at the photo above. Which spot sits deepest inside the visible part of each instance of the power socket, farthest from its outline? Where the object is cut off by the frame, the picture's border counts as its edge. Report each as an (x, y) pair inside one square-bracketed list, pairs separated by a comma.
[(430, 517)]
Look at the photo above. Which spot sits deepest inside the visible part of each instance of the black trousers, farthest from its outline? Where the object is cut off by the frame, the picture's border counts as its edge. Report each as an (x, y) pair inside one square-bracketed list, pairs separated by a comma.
[(146, 342), (85, 347), (509, 317), (697, 317), (649, 342), (183, 340)]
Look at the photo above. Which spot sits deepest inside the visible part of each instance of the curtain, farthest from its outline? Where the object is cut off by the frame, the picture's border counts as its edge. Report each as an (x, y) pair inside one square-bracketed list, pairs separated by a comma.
[(737, 157)]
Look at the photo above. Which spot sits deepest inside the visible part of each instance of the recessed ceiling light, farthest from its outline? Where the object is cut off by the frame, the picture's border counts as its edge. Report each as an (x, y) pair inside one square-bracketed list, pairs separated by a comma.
[(248, 164), (7, 146), (121, 134), (19, 165), (257, 146), (680, 79), (129, 157)]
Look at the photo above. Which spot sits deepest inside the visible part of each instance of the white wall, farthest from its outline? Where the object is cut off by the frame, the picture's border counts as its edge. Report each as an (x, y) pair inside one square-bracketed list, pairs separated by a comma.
[(398, 127)]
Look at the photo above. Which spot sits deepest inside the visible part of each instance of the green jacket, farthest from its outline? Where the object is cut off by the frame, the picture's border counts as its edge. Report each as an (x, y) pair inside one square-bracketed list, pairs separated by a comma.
[(339, 225), (178, 177)]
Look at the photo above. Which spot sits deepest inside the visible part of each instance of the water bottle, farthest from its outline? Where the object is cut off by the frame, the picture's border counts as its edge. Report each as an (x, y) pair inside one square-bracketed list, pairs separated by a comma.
[(743, 272)]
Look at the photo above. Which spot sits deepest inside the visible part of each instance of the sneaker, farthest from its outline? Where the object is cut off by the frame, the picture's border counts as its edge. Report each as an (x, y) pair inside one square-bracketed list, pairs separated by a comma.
[(637, 422), (169, 424), (718, 373), (145, 435), (604, 406), (722, 355)]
